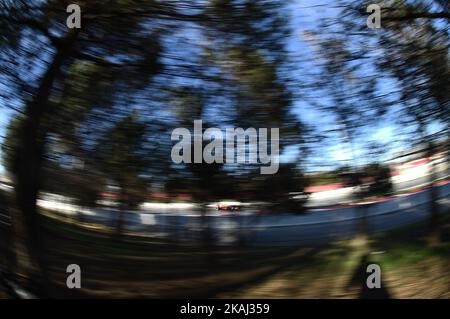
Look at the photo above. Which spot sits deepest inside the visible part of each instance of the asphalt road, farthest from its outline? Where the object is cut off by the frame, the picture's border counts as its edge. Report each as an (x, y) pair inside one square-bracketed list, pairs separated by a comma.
[(314, 227)]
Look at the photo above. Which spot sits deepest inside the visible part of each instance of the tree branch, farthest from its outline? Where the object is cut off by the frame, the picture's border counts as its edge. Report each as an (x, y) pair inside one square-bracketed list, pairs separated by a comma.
[(418, 15)]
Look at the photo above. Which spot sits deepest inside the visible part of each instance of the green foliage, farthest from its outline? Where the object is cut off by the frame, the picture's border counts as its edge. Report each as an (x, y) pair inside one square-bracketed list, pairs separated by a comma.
[(120, 155)]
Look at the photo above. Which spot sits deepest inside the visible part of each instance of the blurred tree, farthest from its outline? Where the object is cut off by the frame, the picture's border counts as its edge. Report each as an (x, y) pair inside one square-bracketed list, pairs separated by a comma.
[(380, 183), (206, 180), (244, 82), (60, 74), (347, 93), (399, 70), (256, 80), (418, 58), (412, 49), (73, 85), (79, 184), (280, 189), (121, 155)]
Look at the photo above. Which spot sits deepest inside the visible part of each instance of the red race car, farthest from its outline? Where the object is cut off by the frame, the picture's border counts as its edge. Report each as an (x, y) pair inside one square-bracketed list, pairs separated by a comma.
[(229, 206)]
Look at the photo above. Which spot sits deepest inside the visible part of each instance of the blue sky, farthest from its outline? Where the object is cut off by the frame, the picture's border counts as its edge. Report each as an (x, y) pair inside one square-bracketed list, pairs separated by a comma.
[(304, 16)]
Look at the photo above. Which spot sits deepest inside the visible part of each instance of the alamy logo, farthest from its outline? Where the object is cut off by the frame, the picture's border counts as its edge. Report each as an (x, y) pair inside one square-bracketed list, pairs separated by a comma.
[(74, 279), (235, 139), (374, 19), (374, 279), (74, 19)]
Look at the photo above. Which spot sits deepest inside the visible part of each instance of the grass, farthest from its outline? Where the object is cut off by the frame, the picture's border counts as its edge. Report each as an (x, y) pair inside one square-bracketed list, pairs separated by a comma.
[(135, 266), (410, 269), (153, 267)]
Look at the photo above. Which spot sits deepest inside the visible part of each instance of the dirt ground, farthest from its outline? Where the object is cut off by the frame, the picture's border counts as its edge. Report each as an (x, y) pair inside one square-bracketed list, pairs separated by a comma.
[(151, 268)]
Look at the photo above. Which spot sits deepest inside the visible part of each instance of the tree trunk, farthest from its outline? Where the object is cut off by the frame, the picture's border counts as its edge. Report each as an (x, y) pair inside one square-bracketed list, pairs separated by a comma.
[(433, 224), (434, 209), (28, 169), (122, 209)]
